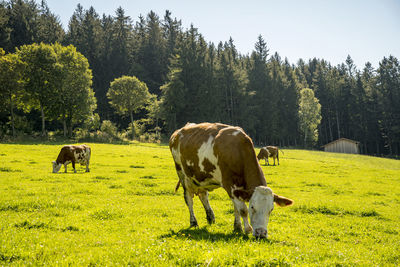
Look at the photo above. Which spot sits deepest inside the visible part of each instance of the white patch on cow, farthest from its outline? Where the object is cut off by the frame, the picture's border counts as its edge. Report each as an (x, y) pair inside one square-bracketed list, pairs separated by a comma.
[(260, 206), (56, 167), (206, 151), (236, 132), (81, 157), (176, 154), (235, 187), (189, 124), (190, 163)]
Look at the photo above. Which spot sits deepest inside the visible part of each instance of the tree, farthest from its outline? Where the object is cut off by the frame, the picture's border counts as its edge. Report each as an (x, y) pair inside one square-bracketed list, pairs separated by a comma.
[(388, 86), (263, 101), (10, 82), (49, 26), (76, 101), (41, 77), (128, 95), (5, 30), (309, 116), (173, 95), (23, 20)]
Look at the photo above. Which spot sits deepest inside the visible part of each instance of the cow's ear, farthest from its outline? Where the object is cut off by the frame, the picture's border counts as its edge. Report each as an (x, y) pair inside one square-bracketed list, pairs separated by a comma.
[(241, 194), (282, 201)]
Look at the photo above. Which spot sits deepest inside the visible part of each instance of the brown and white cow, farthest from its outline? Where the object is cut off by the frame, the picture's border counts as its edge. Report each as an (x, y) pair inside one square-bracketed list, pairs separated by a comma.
[(269, 151), (72, 154), (212, 155)]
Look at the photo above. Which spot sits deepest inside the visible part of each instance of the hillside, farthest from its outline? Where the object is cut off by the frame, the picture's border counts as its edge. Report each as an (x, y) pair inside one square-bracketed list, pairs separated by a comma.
[(346, 211)]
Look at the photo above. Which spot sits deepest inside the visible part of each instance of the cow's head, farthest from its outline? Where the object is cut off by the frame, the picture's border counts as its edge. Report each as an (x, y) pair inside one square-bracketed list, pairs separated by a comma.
[(264, 153), (56, 166), (261, 205)]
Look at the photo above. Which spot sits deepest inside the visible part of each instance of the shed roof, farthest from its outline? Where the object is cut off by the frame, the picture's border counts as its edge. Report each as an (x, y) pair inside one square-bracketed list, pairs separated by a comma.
[(342, 139)]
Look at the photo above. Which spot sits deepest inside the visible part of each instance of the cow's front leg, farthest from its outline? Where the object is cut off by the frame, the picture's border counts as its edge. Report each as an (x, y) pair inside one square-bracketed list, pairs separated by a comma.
[(65, 167), (206, 204), (237, 224), (241, 208), (189, 202), (87, 166), (73, 166)]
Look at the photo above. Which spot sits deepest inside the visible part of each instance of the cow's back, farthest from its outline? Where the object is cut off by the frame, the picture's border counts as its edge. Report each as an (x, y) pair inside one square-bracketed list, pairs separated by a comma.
[(216, 151), (76, 153)]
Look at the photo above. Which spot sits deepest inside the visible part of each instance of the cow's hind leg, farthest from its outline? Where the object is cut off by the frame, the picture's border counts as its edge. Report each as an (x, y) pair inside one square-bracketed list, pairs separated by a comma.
[(65, 167), (189, 202), (73, 166), (206, 204)]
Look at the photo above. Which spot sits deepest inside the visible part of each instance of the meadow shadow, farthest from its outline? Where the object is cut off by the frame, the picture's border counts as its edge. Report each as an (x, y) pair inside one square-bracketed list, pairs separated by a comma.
[(203, 234)]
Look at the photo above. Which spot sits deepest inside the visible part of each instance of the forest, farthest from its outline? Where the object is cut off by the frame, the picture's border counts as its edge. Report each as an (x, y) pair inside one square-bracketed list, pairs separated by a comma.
[(304, 104)]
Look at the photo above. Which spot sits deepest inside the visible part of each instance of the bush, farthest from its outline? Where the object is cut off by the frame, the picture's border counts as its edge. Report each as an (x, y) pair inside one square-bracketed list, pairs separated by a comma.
[(109, 128), (92, 123)]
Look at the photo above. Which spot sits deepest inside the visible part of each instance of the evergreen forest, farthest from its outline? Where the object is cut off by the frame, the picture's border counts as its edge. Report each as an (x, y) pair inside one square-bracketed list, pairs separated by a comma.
[(67, 81)]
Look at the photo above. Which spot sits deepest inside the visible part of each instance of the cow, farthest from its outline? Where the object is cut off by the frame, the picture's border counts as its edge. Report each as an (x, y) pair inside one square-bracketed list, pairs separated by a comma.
[(212, 155), (72, 154), (269, 151)]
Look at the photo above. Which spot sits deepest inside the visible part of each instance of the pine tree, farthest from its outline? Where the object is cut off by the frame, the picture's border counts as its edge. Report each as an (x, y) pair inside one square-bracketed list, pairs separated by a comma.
[(23, 20), (49, 26)]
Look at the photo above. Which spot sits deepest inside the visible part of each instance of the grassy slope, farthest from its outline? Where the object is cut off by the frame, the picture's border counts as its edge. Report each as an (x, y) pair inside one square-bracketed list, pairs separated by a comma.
[(346, 211)]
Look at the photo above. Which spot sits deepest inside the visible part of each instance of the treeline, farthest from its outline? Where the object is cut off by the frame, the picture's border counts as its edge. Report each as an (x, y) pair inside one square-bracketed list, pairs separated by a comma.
[(195, 80)]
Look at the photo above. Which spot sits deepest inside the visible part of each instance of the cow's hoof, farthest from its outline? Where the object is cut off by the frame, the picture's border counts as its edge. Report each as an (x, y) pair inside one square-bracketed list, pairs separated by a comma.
[(210, 218), (248, 230), (237, 229), (194, 223)]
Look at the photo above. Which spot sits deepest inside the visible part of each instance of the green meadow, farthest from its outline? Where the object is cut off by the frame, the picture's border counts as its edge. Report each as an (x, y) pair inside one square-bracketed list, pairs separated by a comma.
[(125, 212)]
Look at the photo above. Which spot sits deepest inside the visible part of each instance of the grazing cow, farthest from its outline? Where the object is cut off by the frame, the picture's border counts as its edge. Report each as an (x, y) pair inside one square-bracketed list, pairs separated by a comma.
[(72, 154), (212, 155), (269, 151)]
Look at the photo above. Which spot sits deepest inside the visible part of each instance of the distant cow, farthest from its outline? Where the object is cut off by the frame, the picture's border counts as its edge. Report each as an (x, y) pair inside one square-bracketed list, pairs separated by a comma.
[(72, 154), (212, 155), (269, 151)]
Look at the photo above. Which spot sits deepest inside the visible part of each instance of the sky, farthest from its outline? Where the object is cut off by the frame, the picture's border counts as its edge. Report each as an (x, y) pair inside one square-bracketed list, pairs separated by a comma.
[(367, 30)]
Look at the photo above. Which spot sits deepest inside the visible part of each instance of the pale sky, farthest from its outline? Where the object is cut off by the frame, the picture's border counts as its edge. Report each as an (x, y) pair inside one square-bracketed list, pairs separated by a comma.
[(367, 30)]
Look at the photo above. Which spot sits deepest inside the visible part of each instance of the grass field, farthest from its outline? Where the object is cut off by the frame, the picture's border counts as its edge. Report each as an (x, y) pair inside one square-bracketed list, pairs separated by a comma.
[(124, 212)]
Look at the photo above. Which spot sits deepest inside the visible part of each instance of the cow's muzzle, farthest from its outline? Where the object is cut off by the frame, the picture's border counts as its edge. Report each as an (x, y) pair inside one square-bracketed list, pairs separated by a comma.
[(260, 233)]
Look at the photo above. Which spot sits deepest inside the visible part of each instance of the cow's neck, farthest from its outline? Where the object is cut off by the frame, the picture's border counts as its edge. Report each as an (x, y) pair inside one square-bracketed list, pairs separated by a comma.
[(253, 175)]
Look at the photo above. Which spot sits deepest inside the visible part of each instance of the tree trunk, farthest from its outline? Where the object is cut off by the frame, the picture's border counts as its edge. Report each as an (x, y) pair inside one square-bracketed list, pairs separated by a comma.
[(231, 100), (305, 138), (70, 127), (43, 120), (12, 116), (132, 127), (330, 130), (65, 125), (337, 121)]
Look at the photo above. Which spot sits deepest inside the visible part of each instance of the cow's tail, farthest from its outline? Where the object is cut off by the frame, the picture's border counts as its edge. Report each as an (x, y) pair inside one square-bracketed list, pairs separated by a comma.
[(281, 151), (177, 185)]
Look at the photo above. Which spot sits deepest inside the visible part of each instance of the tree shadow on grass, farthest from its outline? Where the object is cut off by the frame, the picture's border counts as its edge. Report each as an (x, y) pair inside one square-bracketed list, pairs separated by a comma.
[(204, 234)]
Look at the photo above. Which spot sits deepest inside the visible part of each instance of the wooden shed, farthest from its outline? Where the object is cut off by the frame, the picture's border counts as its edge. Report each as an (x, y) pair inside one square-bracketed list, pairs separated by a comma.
[(343, 145)]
